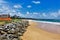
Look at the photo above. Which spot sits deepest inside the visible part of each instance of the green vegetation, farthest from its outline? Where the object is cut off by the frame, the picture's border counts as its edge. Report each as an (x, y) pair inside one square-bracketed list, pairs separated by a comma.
[(1, 23), (16, 20), (6, 22)]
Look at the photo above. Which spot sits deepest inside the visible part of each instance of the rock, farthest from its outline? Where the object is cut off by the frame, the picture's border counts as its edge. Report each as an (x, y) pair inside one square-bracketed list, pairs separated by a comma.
[(12, 31), (15, 39)]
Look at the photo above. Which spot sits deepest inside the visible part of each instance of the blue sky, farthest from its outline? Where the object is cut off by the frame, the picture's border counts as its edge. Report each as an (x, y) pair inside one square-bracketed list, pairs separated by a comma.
[(45, 9)]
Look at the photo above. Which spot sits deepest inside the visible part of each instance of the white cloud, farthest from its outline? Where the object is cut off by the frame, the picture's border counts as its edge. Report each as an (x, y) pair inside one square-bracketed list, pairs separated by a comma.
[(2, 1), (3, 7), (6, 9), (35, 13), (28, 12), (59, 12), (54, 14), (31, 14), (44, 14), (29, 6), (20, 14), (36, 2), (17, 6)]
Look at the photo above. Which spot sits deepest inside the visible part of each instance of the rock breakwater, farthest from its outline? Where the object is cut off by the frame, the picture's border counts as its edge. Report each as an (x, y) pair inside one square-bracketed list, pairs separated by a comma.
[(13, 31)]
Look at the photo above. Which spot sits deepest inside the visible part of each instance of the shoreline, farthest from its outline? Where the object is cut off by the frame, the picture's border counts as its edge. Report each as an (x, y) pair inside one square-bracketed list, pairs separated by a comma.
[(57, 23), (35, 33), (47, 26)]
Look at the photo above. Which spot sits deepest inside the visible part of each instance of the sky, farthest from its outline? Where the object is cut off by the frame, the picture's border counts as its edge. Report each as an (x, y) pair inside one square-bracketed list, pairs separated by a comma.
[(41, 9)]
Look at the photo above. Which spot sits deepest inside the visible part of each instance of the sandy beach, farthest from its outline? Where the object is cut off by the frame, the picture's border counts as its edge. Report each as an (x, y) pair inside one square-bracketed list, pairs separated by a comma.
[(35, 33)]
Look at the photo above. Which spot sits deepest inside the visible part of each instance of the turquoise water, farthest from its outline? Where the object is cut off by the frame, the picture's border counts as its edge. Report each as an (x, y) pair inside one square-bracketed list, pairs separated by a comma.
[(49, 20)]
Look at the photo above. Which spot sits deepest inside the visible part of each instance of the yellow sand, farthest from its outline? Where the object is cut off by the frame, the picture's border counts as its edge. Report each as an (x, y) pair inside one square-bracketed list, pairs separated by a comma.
[(34, 33)]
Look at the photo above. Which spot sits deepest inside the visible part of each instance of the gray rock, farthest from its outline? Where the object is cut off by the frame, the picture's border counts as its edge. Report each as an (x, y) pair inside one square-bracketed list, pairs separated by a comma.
[(13, 30)]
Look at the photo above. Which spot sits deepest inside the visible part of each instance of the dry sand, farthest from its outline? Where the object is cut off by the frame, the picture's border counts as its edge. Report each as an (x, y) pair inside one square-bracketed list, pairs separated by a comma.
[(34, 33)]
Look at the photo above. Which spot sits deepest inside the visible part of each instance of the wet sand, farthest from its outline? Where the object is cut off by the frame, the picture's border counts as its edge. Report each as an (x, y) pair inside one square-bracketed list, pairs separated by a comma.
[(35, 33)]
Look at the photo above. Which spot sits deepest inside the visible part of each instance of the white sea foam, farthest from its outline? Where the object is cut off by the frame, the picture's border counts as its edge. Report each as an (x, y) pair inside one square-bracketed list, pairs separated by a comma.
[(57, 23)]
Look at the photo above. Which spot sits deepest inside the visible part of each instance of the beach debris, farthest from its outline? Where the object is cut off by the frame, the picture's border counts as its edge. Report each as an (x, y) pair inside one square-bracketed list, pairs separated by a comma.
[(13, 31)]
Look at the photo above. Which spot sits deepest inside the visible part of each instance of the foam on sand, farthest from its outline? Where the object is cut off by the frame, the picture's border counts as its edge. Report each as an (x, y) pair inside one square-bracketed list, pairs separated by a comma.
[(53, 27), (46, 22), (35, 33)]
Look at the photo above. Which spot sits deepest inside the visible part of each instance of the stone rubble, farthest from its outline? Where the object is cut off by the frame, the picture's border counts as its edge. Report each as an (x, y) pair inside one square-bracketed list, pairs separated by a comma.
[(13, 31)]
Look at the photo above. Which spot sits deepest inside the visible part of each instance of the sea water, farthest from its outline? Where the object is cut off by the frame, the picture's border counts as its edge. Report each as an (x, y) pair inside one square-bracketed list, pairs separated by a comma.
[(51, 21)]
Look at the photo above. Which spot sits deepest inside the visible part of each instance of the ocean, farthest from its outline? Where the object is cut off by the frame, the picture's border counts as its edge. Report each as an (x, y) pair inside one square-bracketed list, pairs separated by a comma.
[(49, 20)]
